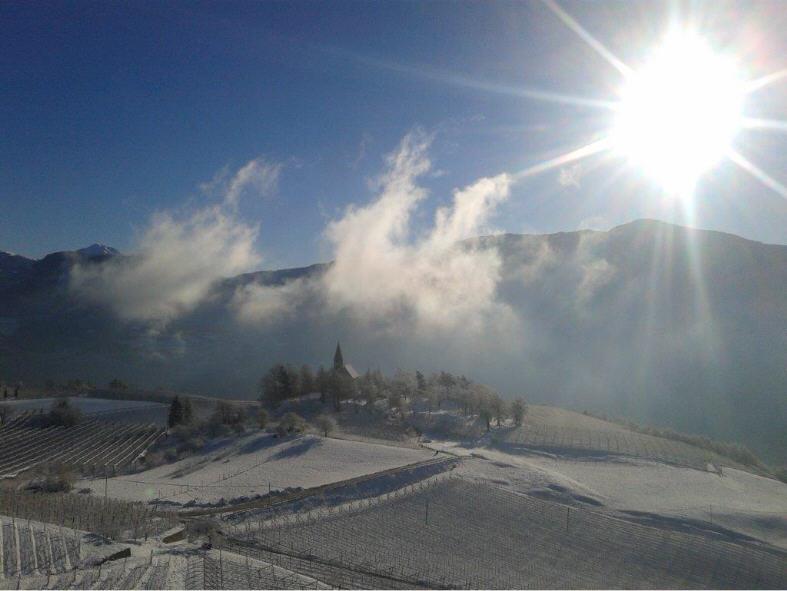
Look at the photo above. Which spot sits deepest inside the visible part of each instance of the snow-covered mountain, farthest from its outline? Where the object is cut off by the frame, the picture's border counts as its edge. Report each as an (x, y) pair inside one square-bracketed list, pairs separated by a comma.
[(97, 250)]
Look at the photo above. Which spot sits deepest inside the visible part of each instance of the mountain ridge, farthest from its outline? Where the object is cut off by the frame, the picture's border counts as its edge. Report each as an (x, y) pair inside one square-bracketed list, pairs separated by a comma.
[(677, 327)]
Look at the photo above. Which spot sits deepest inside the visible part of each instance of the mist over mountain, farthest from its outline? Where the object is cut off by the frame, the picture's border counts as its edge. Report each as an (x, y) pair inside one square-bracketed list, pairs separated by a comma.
[(664, 324)]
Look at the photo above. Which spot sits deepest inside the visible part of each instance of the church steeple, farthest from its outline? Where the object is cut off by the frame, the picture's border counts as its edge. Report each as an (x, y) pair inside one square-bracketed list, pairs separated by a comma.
[(338, 360)]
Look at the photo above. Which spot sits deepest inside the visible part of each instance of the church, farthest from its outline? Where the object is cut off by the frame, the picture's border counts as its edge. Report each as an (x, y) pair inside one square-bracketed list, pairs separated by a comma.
[(340, 366)]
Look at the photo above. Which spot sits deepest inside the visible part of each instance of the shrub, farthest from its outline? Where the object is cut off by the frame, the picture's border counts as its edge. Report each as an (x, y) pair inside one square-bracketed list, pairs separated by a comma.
[(53, 478), (227, 413), (290, 423), (62, 414), (262, 418), (201, 528)]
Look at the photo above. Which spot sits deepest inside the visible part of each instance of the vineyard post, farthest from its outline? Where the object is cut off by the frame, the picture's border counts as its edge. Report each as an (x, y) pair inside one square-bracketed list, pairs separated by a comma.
[(568, 512), (426, 514), (221, 568)]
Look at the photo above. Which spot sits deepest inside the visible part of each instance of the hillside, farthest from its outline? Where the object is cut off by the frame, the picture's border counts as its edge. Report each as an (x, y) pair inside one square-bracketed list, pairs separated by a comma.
[(253, 465), (546, 505), (663, 324)]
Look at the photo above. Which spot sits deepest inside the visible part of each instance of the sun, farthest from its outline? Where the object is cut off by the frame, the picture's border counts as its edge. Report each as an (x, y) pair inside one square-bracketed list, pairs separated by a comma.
[(678, 115)]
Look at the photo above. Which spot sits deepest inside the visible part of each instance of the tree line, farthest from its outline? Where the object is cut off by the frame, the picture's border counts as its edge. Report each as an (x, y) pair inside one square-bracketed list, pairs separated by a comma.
[(401, 392)]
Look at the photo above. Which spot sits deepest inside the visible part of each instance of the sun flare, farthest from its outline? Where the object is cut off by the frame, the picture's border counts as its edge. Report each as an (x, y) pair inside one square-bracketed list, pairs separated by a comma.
[(679, 114)]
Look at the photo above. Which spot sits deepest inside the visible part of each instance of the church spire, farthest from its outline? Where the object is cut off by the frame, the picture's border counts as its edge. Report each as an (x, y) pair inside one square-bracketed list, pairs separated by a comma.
[(338, 360)]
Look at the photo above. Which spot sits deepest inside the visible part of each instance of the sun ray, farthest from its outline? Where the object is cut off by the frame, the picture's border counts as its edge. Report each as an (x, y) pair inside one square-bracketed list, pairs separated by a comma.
[(437, 75), (758, 83), (767, 124), (572, 156), (583, 34), (757, 173)]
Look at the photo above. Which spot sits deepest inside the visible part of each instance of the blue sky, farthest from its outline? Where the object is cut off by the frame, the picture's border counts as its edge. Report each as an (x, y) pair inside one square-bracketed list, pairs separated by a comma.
[(111, 112)]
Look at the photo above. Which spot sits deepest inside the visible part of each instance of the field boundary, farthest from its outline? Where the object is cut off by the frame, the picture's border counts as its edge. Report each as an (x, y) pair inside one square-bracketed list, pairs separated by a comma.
[(280, 500)]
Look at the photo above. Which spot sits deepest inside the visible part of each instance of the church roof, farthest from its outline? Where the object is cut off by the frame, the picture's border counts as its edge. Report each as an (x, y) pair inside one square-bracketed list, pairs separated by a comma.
[(351, 370)]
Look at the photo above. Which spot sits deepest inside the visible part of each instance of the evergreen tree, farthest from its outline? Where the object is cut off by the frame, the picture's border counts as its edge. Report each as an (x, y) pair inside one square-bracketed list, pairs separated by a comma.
[(421, 383), (518, 410), (323, 383), (486, 416), (188, 411), (341, 387), (277, 385), (175, 413), (498, 409), (308, 382), (447, 381)]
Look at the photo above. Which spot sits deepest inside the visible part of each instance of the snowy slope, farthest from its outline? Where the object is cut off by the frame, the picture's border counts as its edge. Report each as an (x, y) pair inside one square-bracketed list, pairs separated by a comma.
[(250, 464), (738, 501)]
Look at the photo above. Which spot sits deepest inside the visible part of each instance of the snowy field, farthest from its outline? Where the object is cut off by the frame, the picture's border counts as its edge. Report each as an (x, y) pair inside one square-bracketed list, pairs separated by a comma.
[(248, 465), (124, 411), (736, 500), (86, 405)]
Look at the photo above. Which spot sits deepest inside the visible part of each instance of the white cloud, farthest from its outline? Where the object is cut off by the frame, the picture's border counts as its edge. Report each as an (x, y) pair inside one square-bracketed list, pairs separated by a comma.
[(381, 272), (180, 257), (177, 262), (258, 304), (257, 176)]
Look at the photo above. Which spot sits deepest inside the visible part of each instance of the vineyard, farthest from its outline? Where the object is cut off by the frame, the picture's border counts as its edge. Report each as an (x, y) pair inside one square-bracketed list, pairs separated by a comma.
[(459, 534), (630, 444), (91, 446), (109, 517), (123, 574), (34, 548), (551, 428), (214, 571)]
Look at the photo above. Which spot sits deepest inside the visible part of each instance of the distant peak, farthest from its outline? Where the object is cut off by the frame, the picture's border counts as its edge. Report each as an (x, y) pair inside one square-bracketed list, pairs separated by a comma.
[(95, 250)]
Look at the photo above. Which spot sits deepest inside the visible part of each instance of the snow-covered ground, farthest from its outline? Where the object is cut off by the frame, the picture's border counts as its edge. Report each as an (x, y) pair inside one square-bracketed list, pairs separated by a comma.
[(86, 405), (124, 411), (248, 465), (736, 500)]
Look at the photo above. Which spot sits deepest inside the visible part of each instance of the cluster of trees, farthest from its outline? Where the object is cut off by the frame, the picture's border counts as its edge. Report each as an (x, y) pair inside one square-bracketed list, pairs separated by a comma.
[(11, 391), (445, 389), (180, 412), (72, 386), (283, 382)]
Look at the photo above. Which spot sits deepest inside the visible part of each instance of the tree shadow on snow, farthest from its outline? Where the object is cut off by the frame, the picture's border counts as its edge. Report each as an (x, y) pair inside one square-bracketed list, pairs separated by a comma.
[(259, 443), (297, 449)]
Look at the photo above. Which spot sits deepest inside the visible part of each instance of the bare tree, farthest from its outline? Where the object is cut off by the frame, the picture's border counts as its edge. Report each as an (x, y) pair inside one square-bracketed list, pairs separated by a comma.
[(325, 424)]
